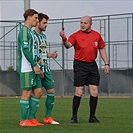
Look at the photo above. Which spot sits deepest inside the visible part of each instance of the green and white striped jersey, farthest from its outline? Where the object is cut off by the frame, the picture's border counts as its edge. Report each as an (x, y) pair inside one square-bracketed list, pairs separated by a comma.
[(27, 50), (42, 50), (42, 43)]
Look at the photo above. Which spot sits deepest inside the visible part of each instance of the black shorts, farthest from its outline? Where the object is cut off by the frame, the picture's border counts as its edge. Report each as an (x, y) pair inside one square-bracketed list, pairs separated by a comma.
[(86, 73)]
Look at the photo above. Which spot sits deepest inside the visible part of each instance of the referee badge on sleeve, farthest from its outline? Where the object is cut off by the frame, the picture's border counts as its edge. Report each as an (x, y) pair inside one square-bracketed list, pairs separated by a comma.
[(96, 44)]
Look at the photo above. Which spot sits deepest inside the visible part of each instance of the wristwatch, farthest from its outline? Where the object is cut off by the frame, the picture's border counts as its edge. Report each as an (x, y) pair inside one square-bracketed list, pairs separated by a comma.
[(107, 65)]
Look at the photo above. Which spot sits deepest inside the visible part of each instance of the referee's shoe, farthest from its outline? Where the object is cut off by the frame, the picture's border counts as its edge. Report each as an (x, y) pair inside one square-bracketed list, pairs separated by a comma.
[(74, 120), (93, 120)]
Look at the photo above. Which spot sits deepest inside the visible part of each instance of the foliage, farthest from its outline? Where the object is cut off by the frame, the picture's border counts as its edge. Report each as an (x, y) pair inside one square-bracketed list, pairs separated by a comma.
[(10, 68)]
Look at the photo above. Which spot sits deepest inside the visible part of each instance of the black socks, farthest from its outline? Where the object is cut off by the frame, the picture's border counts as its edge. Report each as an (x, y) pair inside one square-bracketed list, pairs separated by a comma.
[(76, 103), (93, 105)]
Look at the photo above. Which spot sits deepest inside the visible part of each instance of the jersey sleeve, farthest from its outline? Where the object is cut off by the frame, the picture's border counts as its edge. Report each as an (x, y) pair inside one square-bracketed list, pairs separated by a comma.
[(29, 57), (25, 48), (101, 43), (72, 39)]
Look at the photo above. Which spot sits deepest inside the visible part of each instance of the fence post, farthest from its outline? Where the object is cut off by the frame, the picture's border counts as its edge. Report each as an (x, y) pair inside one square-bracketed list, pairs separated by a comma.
[(108, 76), (132, 56), (63, 64)]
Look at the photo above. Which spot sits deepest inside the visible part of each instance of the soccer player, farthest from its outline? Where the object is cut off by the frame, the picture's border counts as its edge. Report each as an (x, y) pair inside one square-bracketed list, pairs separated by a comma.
[(47, 81), (86, 43), (29, 71)]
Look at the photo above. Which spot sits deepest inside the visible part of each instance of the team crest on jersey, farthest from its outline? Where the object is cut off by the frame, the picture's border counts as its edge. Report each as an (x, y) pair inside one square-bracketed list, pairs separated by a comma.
[(43, 47), (96, 43)]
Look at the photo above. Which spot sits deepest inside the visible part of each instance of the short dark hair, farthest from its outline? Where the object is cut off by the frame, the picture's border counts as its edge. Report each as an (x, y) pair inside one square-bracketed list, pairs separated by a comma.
[(29, 12), (41, 16)]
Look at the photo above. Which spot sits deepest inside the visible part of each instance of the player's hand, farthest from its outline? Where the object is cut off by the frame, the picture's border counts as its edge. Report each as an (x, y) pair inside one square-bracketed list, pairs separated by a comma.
[(42, 75), (41, 62), (54, 54), (37, 70)]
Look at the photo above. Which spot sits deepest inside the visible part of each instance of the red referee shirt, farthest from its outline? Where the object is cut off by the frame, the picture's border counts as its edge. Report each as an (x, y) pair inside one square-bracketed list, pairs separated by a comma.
[(86, 45)]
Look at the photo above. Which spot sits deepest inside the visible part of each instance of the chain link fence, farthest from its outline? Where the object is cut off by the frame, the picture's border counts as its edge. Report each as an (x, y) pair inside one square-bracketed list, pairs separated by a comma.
[(116, 31)]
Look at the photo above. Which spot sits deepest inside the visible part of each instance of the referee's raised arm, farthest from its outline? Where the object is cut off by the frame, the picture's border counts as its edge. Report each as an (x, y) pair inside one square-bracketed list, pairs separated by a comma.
[(64, 39)]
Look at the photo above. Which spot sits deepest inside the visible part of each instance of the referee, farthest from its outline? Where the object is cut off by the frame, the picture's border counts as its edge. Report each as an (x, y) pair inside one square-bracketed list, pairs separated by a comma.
[(86, 43)]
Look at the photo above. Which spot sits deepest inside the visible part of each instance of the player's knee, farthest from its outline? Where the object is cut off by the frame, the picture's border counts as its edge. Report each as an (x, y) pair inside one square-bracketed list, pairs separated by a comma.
[(51, 91), (38, 94), (26, 95)]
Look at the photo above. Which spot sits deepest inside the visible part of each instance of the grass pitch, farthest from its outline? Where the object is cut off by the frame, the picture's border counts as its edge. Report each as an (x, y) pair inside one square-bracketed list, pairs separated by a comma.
[(115, 114)]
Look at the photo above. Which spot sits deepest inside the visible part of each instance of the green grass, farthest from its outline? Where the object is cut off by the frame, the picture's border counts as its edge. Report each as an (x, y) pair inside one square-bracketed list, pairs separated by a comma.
[(116, 115)]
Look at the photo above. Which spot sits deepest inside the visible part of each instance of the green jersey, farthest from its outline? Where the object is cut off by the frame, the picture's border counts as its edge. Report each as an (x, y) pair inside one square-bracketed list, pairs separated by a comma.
[(27, 54), (42, 50), (47, 81), (42, 43)]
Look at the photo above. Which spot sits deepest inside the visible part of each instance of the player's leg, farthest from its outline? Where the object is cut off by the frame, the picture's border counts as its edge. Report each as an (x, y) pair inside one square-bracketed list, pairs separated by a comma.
[(49, 102), (49, 106), (48, 84), (24, 104), (34, 102), (34, 105), (24, 101)]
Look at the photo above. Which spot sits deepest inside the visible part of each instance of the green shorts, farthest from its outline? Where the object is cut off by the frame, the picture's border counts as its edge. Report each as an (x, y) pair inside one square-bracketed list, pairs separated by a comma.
[(47, 81), (30, 81)]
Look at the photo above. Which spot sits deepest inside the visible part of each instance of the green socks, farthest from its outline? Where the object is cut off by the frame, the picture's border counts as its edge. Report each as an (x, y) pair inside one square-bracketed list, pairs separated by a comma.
[(33, 107), (24, 108), (49, 104)]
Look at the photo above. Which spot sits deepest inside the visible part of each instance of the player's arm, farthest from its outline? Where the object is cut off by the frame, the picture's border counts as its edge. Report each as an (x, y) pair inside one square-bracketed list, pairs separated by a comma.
[(64, 39), (25, 47), (52, 55), (28, 55), (40, 61)]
